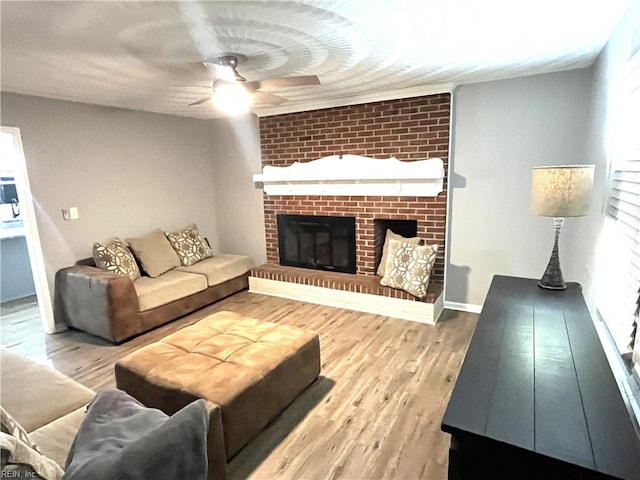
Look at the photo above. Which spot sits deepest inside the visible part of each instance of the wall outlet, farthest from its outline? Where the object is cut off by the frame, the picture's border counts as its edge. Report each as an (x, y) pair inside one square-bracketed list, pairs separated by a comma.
[(65, 214)]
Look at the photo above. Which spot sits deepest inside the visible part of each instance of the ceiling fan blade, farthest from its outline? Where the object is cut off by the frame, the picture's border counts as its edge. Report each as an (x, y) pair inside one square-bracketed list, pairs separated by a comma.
[(200, 101), (284, 82), (269, 98)]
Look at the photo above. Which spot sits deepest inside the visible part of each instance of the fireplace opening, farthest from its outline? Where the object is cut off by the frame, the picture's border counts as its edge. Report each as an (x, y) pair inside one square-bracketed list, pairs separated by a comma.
[(318, 242), (406, 228)]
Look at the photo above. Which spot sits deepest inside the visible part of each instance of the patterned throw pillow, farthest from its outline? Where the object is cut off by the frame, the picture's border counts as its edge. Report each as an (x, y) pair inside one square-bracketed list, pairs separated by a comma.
[(116, 257), (21, 458), (190, 246), (10, 426), (385, 249), (409, 267)]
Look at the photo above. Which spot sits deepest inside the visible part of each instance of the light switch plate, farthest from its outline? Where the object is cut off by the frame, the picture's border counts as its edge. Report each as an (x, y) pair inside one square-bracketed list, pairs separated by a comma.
[(70, 213)]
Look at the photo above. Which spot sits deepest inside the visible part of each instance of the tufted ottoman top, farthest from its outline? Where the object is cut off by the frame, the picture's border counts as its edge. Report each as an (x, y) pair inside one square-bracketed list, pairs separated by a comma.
[(251, 369)]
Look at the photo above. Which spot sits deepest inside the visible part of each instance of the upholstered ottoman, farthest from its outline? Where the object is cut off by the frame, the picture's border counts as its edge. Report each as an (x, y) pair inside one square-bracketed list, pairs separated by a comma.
[(251, 369)]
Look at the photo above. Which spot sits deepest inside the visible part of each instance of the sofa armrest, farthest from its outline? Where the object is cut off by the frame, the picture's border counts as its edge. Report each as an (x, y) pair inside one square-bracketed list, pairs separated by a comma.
[(97, 301), (35, 394)]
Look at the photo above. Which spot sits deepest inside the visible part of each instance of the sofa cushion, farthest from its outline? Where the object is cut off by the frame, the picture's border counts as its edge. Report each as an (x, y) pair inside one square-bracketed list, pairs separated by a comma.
[(115, 257), (27, 386), (220, 268), (155, 253), (54, 439), (170, 286), (121, 438), (190, 246)]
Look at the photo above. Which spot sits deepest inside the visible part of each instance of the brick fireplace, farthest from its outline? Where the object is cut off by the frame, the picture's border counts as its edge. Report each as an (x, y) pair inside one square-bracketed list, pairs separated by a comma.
[(408, 129)]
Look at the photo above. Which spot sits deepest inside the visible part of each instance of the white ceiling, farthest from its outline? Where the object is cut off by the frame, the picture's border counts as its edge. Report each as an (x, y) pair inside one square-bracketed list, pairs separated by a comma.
[(148, 55)]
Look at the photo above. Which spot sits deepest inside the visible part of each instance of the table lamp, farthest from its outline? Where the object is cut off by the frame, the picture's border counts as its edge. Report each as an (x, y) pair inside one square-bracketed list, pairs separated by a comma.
[(559, 192)]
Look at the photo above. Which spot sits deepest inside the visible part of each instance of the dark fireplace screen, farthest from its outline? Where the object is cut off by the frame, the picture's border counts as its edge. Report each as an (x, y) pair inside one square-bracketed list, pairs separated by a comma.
[(323, 243)]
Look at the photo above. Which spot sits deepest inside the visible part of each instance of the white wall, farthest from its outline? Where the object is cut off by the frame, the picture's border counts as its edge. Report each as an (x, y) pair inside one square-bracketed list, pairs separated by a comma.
[(500, 130), (240, 208), (624, 42), (127, 172)]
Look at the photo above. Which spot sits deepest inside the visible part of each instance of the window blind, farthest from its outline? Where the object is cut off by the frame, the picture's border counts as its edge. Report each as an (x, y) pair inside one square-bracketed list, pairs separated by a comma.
[(621, 233)]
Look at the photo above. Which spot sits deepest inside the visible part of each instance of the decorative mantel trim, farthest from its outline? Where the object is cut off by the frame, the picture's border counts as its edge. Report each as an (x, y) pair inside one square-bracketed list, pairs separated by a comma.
[(354, 175)]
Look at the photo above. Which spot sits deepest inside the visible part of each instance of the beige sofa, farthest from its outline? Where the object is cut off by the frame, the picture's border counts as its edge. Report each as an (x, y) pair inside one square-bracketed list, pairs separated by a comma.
[(51, 408), (47, 404), (116, 308)]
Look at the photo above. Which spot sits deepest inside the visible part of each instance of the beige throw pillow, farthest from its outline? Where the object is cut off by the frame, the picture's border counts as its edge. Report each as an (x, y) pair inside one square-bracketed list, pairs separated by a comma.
[(409, 267), (155, 253), (190, 246), (385, 249), (115, 257)]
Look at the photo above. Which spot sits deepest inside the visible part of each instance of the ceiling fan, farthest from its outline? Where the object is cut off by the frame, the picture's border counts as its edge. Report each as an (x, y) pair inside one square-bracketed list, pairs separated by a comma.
[(254, 88)]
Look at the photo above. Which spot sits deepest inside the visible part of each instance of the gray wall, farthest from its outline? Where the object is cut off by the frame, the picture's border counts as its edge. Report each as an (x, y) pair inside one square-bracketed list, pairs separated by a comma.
[(500, 130), (127, 172), (16, 280), (240, 211)]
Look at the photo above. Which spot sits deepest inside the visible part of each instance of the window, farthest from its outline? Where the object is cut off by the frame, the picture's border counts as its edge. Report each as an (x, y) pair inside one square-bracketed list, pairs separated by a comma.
[(620, 279)]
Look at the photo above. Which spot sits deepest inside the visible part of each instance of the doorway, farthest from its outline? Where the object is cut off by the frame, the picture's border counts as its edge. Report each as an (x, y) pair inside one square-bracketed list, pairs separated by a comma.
[(23, 278)]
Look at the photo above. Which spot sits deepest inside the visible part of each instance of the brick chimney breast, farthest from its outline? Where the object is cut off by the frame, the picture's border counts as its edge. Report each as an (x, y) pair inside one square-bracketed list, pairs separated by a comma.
[(407, 129)]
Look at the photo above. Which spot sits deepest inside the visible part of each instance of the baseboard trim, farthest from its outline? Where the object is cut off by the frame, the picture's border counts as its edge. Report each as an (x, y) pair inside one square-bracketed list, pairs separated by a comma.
[(463, 307)]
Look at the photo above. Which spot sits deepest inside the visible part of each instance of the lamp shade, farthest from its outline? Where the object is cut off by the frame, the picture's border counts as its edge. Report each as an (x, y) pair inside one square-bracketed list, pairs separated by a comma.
[(561, 191)]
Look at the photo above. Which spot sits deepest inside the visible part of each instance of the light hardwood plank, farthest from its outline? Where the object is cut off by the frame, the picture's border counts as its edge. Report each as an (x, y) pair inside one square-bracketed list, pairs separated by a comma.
[(374, 413)]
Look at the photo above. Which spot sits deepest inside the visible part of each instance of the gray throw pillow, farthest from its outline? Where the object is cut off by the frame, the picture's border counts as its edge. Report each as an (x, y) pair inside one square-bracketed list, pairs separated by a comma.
[(120, 439)]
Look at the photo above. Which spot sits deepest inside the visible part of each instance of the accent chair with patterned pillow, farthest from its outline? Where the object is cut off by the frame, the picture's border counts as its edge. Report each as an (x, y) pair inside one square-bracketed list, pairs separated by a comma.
[(190, 246), (116, 257), (408, 267)]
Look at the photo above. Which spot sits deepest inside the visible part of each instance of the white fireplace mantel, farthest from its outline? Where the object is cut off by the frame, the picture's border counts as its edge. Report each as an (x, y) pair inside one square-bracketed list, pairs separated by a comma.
[(354, 175)]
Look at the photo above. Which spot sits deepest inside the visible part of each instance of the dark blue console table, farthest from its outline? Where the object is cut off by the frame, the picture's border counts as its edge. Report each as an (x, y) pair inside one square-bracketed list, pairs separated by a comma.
[(535, 397)]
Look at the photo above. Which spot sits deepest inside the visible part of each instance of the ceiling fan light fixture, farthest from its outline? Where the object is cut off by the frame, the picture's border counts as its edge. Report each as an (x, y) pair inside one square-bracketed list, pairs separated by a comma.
[(231, 99), (230, 62)]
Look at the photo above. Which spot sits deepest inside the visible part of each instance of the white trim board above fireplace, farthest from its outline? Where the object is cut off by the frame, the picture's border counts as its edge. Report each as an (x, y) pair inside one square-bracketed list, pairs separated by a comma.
[(354, 175)]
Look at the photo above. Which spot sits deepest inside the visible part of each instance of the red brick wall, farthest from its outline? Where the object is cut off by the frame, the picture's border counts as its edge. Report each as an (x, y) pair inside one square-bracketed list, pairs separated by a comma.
[(408, 129)]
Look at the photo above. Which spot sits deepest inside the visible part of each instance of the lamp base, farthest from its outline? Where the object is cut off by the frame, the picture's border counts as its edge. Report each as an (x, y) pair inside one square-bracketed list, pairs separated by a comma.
[(560, 286), (552, 278)]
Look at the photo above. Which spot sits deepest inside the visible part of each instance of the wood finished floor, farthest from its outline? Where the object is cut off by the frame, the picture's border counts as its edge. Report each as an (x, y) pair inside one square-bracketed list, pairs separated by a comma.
[(374, 413)]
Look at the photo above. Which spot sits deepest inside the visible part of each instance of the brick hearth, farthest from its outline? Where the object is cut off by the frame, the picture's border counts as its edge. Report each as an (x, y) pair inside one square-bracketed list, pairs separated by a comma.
[(361, 293), (340, 281)]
